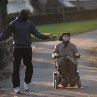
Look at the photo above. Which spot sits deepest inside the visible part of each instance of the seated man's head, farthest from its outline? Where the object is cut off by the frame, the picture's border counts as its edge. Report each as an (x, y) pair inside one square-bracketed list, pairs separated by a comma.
[(65, 37)]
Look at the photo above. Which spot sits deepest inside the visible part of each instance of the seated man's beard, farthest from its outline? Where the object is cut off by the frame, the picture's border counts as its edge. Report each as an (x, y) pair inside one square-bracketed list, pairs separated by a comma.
[(66, 42)]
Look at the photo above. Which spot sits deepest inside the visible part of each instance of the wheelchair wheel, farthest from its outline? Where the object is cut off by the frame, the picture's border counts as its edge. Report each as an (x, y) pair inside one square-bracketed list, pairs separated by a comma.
[(79, 82), (55, 80), (56, 83)]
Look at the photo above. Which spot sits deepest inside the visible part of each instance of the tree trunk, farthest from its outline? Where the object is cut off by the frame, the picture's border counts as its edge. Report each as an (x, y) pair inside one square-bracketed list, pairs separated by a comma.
[(3, 13)]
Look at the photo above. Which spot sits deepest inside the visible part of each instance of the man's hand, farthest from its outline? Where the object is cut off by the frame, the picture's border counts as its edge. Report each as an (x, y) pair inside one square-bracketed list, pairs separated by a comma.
[(55, 55), (51, 36), (77, 55)]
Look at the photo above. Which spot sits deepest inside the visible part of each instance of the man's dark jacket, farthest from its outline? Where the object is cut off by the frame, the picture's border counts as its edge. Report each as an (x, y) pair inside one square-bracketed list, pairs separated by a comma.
[(21, 32)]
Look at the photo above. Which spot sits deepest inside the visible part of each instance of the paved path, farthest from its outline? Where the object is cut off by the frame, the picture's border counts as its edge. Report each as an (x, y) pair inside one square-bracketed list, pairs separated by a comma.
[(42, 86)]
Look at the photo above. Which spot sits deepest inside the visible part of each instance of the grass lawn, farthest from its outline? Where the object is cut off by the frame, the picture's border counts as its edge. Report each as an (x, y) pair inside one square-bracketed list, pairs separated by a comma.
[(72, 27)]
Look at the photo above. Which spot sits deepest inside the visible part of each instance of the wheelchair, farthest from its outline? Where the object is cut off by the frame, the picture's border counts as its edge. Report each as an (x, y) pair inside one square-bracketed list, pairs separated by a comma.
[(57, 79)]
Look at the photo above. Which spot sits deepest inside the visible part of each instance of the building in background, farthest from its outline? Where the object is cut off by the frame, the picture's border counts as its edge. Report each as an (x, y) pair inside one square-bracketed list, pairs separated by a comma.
[(14, 6), (48, 6)]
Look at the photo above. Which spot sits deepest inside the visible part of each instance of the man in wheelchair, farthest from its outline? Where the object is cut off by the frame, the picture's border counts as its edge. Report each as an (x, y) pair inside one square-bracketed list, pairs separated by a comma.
[(66, 64)]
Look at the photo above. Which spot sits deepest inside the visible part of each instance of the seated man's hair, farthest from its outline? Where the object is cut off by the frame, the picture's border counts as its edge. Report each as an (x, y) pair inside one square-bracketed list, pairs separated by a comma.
[(60, 37), (66, 34)]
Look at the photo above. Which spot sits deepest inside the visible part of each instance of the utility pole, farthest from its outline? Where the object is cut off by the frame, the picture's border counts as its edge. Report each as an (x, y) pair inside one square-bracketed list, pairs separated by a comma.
[(63, 10), (78, 5), (78, 9)]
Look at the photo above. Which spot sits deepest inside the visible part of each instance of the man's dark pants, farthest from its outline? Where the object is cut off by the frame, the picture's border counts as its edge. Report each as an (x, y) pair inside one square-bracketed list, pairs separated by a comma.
[(18, 55)]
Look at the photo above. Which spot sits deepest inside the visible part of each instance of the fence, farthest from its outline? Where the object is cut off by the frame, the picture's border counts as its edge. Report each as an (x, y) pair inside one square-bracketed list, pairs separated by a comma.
[(67, 16), (72, 15)]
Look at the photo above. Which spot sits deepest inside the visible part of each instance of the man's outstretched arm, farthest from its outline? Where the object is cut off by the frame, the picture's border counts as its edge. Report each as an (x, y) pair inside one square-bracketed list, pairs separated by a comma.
[(38, 34), (6, 33)]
